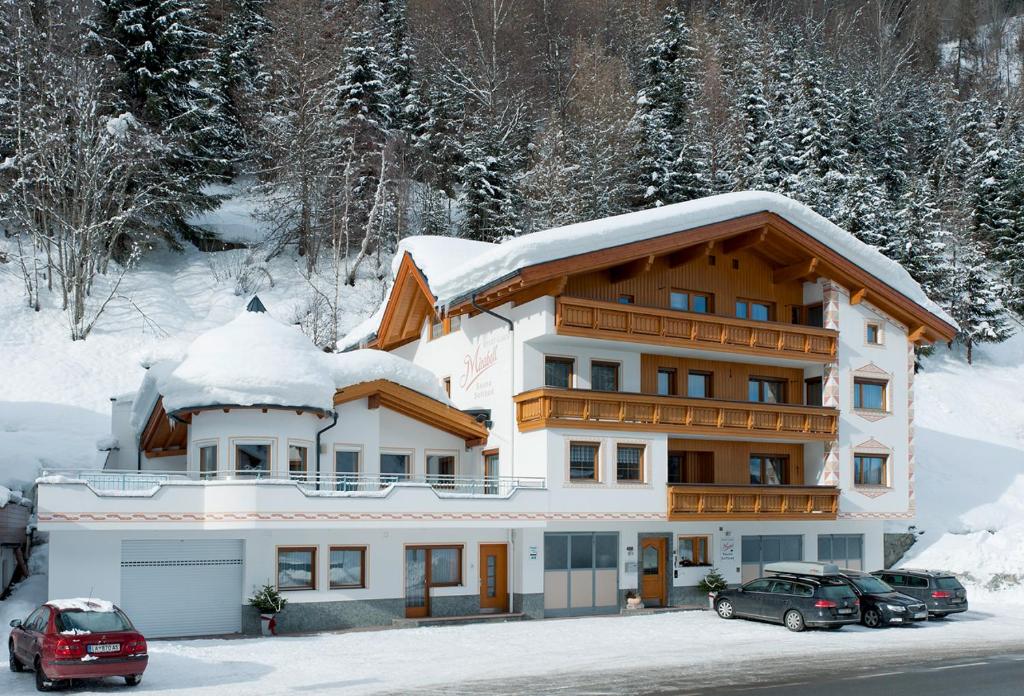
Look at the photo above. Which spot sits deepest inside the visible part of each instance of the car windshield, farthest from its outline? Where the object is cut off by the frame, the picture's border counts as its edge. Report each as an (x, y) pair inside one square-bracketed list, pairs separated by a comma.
[(93, 621), (869, 584), (948, 583)]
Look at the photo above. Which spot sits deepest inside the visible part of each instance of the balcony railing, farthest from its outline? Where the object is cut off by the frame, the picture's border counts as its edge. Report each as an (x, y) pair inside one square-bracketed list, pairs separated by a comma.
[(581, 408), (724, 501), (666, 327), (114, 482)]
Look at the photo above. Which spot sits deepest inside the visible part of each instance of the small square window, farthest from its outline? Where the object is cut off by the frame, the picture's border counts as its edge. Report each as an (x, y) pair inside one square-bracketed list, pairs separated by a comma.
[(583, 461), (558, 372), (252, 459), (393, 467), (869, 394), (629, 463), (348, 567), (604, 376), (698, 385), (870, 469), (296, 568), (873, 334), (693, 551)]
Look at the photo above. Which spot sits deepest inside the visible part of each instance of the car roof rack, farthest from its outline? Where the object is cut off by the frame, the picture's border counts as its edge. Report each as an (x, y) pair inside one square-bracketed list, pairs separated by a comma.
[(919, 571), (805, 568)]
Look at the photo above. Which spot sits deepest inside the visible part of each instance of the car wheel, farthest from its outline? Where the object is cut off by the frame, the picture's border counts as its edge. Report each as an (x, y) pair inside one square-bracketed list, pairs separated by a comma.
[(133, 679), (872, 618), (725, 609), (936, 617), (43, 683), (794, 621), (15, 663)]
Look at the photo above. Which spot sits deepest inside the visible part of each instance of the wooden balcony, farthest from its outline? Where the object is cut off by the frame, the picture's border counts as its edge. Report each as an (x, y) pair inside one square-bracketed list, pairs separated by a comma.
[(666, 327), (717, 501), (582, 408)]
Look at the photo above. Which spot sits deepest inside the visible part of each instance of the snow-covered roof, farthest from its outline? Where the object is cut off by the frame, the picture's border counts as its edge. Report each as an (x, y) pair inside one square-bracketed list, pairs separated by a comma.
[(255, 359), (82, 604), (454, 268)]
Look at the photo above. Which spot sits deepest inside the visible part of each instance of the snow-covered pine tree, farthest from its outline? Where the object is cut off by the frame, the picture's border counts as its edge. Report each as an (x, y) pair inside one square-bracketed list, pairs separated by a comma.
[(975, 299), (917, 242), (240, 75), (491, 199), (397, 65)]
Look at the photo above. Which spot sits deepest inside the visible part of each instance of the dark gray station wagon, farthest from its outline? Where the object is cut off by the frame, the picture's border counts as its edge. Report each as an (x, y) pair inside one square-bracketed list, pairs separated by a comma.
[(795, 600), (941, 592)]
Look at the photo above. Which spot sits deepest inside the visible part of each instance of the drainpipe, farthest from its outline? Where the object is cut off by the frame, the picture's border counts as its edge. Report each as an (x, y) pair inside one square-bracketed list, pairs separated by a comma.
[(334, 422), (512, 367)]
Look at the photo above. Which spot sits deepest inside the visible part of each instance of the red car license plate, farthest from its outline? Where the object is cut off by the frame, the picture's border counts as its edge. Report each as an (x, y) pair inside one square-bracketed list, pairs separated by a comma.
[(104, 648)]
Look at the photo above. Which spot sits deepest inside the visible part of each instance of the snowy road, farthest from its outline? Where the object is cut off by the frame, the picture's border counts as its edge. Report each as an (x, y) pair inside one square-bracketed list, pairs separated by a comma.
[(635, 654)]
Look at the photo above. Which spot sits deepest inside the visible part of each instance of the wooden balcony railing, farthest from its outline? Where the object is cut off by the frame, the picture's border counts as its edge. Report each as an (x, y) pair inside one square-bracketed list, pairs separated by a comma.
[(608, 320), (582, 408), (717, 501)]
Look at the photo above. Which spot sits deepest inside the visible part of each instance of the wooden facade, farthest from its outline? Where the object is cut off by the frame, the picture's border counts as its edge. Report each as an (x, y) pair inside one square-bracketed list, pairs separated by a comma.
[(729, 381), (580, 408), (709, 502), (655, 325), (730, 459)]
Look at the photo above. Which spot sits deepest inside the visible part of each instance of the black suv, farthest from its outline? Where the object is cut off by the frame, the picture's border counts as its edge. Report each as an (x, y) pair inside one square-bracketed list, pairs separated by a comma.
[(881, 605), (941, 592), (795, 600)]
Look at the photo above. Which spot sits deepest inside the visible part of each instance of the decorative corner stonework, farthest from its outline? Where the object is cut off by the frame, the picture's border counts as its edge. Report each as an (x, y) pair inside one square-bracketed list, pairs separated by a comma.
[(911, 361), (872, 415), (830, 474), (872, 370), (872, 444), (872, 491)]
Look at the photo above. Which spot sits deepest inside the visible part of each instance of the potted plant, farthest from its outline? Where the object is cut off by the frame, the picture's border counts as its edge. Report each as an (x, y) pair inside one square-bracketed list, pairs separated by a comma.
[(712, 583), (633, 600), (269, 603)]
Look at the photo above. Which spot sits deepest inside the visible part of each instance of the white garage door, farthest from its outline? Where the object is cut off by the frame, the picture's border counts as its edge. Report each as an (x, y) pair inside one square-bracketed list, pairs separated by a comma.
[(182, 587)]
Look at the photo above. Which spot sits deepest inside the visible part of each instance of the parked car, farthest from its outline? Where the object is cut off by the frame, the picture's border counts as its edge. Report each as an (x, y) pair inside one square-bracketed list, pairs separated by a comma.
[(797, 595), (941, 592), (880, 604), (77, 639)]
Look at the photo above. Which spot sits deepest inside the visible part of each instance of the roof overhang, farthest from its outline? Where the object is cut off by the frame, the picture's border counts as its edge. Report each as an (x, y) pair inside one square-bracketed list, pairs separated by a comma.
[(412, 404), (409, 303)]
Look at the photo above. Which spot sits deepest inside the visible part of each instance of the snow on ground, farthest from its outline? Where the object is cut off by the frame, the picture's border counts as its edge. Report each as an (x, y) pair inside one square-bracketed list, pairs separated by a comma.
[(54, 393), (969, 479), (235, 219)]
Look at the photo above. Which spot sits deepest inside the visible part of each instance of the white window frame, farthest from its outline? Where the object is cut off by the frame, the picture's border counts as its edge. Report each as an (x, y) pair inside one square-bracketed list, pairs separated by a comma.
[(427, 453), (410, 470), (197, 452), (234, 442), (311, 459)]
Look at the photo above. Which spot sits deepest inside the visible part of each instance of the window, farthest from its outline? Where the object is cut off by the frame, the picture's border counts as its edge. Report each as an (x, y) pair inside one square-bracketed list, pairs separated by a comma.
[(558, 372), (758, 311), (666, 381), (346, 469), (447, 384), (868, 394), (870, 469), (208, 461), (581, 552), (454, 323), (393, 467), (626, 299), (441, 470), (845, 550), (252, 459), (296, 568), (491, 472), (873, 334), (768, 470), (808, 315), (629, 463), (583, 461), (445, 566), (764, 390), (348, 567), (436, 330), (813, 394), (604, 376), (298, 461), (698, 384), (758, 586), (691, 467), (693, 551), (686, 301)]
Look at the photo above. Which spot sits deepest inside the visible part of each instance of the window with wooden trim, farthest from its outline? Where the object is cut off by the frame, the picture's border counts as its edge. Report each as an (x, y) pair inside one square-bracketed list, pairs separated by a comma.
[(873, 333), (604, 376), (690, 301), (808, 315), (698, 384), (691, 467), (583, 461), (296, 568), (207, 461), (870, 469), (814, 393), (348, 567), (693, 551), (769, 469), (492, 472), (454, 323), (298, 461), (445, 566), (558, 372), (626, 299), (666, 381), (869, 394), (629, 463), (766, 390), (755, 309)]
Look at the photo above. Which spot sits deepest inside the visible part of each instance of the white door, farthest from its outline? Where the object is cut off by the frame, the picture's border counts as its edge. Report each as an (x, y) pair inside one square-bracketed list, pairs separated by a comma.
[(182, 587)]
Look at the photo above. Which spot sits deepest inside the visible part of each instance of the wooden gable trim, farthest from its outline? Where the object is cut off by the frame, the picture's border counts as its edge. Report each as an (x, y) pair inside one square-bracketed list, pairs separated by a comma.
[(400, 325), (412, 404), (162, 437)]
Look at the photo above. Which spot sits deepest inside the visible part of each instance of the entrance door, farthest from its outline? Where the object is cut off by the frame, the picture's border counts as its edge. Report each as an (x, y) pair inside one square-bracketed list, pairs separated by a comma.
[(417, 598), (493, 578), (652, 571)]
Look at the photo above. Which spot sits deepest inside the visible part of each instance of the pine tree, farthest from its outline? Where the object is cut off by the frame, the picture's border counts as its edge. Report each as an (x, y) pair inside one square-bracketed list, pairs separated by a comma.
[(491, 200), (975, 299), (398, 60), (918, 241), (240, 75)]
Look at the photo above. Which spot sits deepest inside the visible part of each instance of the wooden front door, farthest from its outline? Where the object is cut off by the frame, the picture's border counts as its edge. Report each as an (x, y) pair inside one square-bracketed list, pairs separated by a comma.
[(417, 582), (653, 571), (494, 578)]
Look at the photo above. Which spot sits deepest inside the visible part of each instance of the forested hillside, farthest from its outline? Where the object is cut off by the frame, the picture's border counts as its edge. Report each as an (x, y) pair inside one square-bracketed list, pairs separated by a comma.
[(345, 125)]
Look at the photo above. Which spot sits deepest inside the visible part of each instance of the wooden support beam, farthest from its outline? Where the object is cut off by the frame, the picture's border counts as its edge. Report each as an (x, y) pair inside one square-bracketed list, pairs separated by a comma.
[(917, 334), (744, 241), (692, 253), (373, 401), (858, 295), (632, 269), (797, 270)]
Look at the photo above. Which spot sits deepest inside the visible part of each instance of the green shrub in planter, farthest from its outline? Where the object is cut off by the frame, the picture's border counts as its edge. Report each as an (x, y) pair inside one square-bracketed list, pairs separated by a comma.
[(712, 582), (268, 600)]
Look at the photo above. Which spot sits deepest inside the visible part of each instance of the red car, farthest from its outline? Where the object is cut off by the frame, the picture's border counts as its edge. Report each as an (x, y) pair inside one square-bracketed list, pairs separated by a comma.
[(77, 639)]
